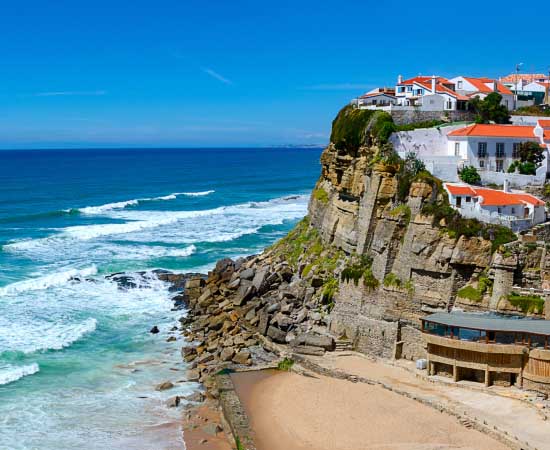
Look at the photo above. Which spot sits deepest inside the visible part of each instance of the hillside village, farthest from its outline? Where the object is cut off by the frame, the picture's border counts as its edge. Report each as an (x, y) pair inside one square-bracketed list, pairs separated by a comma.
[(458, 139)]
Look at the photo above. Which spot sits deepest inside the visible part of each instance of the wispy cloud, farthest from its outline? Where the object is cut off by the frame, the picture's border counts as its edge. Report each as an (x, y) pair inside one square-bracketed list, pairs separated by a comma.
[(216, 75), (70, 93), (337, 87)]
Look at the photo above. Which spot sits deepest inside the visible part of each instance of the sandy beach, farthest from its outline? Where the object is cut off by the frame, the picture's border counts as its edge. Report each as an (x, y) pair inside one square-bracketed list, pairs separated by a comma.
[(293, 412)]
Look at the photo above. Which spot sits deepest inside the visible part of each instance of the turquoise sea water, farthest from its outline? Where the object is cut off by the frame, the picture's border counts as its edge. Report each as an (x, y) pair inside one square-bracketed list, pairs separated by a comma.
[(77, 364)]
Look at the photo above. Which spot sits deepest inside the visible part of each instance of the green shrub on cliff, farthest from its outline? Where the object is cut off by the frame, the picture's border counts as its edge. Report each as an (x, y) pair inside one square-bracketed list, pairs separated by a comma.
[(360, 269), (349, 128), (320, 195), (470, 293), (391, 280), (527, 303), (285, 365), (330, 287)]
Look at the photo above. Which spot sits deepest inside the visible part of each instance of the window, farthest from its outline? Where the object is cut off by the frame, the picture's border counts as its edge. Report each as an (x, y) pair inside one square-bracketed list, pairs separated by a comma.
[(374, 101), (513, 210), (515, 150), (500, 150), (409, 88), (468, 199), (500, 165), (457, 148), (499, 209), (401, 88), (481, 164), (459, 85), (482, 149)]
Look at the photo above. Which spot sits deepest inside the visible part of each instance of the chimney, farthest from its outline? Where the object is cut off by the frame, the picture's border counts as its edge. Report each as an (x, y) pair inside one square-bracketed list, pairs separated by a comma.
[(399, 79), (495, 86), (506, 185), (433, 84)]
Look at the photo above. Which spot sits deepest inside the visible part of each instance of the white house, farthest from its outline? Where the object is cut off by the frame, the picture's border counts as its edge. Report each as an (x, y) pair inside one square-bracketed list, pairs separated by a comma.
[(536, 91), (481, 87), (490, 147), (378, 97), (517, 210), (429, 94)]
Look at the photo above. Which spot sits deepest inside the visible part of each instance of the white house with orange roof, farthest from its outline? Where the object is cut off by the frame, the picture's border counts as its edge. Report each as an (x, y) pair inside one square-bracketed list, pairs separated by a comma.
[(491, 147), (516, 210), (481, 87), (429, 93)]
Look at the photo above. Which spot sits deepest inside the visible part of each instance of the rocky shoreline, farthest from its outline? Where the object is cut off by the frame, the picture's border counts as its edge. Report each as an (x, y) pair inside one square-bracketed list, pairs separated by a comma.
[(233, 317)]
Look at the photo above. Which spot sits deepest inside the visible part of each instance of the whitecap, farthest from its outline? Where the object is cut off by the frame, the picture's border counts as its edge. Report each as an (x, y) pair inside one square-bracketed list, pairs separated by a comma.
[(46, 281), (40, 336), (197, 194), (102, 209), (10, 373)]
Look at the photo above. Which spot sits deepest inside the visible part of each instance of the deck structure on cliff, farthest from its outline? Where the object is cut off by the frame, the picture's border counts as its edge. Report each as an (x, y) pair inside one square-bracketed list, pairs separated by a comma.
[(489, 349)]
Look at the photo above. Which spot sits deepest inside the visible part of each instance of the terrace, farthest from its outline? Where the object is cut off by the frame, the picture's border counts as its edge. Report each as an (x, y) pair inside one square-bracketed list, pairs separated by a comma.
[(489, 348)]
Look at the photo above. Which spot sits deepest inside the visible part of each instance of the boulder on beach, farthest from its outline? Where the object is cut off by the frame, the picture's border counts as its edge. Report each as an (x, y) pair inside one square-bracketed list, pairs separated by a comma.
[(164, 386), (154, 330)]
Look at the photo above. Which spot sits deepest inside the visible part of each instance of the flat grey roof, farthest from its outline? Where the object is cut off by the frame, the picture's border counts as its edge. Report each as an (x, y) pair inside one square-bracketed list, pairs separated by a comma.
[(491, 323)]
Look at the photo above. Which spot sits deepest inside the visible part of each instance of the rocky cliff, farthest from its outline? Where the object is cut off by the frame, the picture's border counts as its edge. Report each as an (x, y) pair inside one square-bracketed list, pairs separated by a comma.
[(380, 248)]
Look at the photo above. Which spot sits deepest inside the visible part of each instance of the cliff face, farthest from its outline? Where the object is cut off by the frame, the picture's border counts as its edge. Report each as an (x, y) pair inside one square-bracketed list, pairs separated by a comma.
[(358, 211)]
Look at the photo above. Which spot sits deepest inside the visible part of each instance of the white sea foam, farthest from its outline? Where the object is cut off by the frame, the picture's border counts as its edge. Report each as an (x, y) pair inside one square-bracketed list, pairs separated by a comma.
[(10, 373), (197, 194), (101, 209), (46, 281), (38, 335), (108, 207), (129, 239)]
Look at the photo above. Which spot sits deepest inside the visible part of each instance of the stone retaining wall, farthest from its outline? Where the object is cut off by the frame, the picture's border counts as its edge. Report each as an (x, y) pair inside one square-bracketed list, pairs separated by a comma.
[(234, 413), (402, 117)]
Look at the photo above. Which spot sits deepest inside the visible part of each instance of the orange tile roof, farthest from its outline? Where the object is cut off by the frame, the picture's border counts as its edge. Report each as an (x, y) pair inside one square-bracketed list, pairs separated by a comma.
[(481, 86), (460, 189), (491, 130), (424, 78), (513, 77), (544, 123), (492, 197), (442, 89)]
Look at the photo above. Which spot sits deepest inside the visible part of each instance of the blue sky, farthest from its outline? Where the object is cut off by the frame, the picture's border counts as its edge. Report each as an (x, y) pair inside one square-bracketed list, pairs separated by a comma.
[(78, 73)]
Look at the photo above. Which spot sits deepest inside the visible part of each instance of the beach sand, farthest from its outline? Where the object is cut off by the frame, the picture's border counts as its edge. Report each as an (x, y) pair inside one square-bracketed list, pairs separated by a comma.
[(199, 429), (294, 412)]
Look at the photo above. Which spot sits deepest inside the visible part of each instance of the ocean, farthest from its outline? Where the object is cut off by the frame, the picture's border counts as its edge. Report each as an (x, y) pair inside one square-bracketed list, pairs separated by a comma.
[(78, 365)]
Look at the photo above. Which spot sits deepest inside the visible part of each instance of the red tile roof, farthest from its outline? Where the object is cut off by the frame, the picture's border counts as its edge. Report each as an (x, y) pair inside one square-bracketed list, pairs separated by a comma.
[(460, 189), (481, 85), (423, 78), (491, 130), (492, 197), (544, 123), (513, 77), (439, 88)]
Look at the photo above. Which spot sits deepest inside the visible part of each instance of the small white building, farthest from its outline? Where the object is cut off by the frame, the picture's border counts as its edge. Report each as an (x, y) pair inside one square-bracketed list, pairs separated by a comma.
[(481, 87), (429, 94), (516, 210), (490, 147), (378, 98)]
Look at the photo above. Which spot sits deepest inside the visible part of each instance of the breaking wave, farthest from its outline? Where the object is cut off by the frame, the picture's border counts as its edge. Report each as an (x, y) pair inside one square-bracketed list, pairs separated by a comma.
[(46, 281), (9, 374), (101, 209)]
